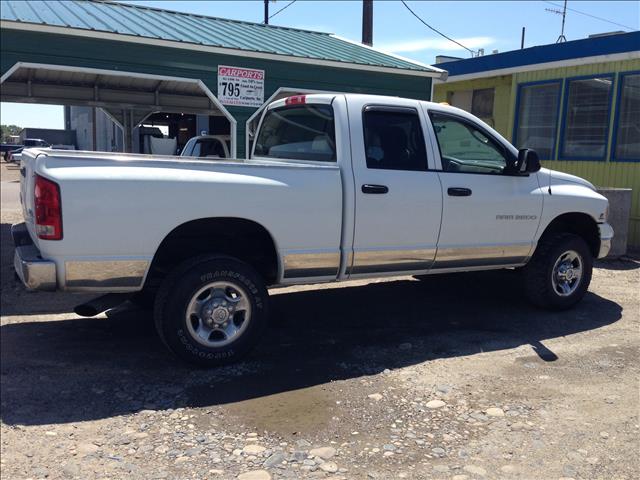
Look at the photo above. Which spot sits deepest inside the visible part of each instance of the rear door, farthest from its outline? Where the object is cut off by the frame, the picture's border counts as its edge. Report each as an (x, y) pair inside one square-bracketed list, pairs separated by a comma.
[(398, 198)]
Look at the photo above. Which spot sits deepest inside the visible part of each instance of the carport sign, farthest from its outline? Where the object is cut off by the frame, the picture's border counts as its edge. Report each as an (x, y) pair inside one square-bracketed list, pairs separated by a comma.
[(242, 87)]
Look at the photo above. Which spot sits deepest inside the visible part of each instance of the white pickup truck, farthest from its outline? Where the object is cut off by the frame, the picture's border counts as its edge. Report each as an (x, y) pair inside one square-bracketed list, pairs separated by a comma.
[(338, 187)]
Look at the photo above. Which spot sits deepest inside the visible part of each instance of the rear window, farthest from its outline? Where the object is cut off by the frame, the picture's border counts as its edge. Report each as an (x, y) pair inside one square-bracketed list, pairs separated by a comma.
[(209, 147), (302, 132)]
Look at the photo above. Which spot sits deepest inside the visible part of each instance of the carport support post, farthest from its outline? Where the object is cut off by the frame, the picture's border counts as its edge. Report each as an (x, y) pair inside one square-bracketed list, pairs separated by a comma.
[(127, 130), (132, 129), (130, 121), (94, 130)]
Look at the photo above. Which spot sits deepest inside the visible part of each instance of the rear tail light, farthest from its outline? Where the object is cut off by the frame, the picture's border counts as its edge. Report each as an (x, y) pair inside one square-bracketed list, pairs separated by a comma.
[(296, 100), (48, 207)]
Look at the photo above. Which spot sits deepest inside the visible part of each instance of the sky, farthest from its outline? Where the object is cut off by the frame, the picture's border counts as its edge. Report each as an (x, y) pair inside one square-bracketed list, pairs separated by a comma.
[(475, 24)]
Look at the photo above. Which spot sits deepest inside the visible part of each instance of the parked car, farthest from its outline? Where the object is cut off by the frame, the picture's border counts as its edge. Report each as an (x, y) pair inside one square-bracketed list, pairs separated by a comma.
[(211, 146), (339, 187), (5, 148), (14, 155)]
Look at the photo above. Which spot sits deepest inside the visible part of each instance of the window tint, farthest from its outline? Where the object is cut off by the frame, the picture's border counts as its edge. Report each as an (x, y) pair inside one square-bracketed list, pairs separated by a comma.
[(465, 148), (628, 134), (210, 147), (393, 140), (587, 118), (538, 118), (302, 132)]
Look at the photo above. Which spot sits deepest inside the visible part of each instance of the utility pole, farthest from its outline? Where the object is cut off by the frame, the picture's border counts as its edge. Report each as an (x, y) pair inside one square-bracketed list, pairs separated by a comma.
[(522, 39), (367, 22), (266, 12)]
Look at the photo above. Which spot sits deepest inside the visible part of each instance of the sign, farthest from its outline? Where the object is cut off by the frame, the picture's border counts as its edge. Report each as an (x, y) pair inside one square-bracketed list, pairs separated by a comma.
[(242, 87)]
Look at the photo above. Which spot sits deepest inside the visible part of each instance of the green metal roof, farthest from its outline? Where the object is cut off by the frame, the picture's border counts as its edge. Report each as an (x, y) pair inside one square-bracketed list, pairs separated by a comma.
[(152, 23)]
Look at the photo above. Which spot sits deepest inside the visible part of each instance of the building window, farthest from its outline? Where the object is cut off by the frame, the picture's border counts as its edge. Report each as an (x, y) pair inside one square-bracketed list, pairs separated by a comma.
[(627, 140), (537, 118), (586, 118), (482, 103)]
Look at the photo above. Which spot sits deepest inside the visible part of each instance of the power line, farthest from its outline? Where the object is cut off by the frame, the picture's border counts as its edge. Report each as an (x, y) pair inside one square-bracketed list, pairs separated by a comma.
[(436, 30), (592, 16), (286, 6)]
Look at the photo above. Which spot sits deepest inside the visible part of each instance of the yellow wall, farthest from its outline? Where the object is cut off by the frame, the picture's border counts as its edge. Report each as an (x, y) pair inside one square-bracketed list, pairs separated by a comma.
[(605, 174), (501, 100), (600, 173)]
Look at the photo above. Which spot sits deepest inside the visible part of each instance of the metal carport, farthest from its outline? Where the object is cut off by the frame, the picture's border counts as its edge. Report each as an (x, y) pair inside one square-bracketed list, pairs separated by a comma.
[(132, 60), (127, 97)]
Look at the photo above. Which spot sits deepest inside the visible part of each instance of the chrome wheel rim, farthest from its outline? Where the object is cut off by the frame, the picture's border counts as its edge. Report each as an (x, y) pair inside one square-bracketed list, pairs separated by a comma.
[(218, 314), (567, 273)]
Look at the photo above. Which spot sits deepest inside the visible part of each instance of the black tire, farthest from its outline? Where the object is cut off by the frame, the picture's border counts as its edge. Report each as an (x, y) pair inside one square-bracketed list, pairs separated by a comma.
[(538, 284), (177, 291)]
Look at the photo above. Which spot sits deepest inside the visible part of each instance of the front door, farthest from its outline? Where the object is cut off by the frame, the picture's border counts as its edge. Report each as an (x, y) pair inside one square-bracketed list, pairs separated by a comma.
[(490, 216), (398, 200)]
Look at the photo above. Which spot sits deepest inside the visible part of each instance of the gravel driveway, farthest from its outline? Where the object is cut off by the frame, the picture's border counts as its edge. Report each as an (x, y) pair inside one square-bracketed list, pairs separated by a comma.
[(452, 377)]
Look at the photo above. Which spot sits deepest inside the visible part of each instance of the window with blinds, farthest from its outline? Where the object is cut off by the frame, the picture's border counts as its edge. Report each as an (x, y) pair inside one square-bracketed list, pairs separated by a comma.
[(628, 133), (538, 118), (586, 117)]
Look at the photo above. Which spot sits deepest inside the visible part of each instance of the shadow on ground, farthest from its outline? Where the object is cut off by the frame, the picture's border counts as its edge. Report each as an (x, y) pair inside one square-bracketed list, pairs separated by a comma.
[(84, 369), (626, 262)]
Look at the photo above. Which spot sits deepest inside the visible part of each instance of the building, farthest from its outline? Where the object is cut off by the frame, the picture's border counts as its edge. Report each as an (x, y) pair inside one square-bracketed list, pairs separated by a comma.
[(576, 103), (94, 129), (54, 137), (154, 69)]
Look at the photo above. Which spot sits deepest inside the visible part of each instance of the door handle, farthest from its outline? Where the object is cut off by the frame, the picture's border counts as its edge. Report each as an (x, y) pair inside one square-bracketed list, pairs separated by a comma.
[(379, 189), (459, 192)]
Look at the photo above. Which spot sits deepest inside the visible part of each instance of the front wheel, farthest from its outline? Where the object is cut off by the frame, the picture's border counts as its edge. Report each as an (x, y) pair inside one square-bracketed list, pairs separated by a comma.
[(211, 310), (559, 273)]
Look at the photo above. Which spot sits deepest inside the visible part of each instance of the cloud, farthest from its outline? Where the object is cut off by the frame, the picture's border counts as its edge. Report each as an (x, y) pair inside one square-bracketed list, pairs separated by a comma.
[(436, 44)]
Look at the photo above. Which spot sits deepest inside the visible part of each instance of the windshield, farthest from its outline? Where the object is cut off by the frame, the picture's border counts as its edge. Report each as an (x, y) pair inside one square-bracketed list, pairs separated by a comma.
[(301, 132)]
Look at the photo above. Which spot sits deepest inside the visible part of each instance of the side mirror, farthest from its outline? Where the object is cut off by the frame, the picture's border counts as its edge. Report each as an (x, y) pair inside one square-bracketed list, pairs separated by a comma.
[(528, 161)]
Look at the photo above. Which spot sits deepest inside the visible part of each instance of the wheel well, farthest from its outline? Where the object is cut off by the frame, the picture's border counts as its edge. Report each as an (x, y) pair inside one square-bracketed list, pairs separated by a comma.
[(240, 238), (579, 224)]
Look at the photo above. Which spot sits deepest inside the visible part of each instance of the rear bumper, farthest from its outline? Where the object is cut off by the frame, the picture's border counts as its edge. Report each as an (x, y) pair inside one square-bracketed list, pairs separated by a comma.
[(35, 272), (606, 236)]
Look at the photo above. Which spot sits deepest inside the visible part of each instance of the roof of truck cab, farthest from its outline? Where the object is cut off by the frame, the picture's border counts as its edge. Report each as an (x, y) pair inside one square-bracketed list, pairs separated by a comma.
[(134, 23), (327, 98)]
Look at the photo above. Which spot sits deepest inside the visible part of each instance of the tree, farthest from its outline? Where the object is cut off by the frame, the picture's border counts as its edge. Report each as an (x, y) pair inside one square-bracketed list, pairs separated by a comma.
[(8, 130)]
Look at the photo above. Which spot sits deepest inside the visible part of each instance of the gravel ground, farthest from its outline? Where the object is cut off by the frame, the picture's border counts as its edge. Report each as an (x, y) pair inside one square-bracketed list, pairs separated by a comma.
[(453, 377)]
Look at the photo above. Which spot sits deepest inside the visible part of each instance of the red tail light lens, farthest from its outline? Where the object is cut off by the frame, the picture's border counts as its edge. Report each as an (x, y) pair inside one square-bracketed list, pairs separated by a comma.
[(48, 207), (296, 100)]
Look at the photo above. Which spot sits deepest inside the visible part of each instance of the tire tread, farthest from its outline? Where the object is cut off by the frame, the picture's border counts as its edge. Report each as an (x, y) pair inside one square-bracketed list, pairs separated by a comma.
[(537, 286)]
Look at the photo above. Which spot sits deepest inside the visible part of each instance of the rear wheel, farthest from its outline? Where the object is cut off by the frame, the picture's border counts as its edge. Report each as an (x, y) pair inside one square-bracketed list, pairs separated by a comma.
[(559, 274), (211, 310)]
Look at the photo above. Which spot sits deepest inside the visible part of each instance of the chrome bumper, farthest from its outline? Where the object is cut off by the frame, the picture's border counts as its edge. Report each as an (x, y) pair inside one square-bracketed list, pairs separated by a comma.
[(606, 236), (35, 272)]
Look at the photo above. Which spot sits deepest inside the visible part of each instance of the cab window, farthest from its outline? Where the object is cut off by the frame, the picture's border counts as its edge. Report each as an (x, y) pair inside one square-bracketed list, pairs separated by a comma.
[(466, 148), (186, 151), (393, 139), (301, 132), (209, 147)]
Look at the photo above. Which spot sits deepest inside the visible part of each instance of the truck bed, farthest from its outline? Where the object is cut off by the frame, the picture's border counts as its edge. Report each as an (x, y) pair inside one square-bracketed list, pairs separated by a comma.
[(128, 203)]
